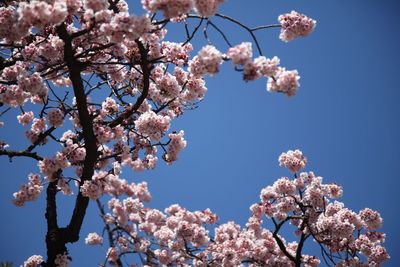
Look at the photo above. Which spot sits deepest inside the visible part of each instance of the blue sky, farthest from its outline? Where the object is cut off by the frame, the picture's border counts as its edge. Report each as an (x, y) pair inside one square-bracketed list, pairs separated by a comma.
[(344, 118)]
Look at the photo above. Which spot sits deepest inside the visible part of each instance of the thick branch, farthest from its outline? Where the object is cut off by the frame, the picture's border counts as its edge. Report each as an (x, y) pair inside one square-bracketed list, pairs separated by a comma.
[(51, 206), (74, 68), (55, 236), (300, 248)]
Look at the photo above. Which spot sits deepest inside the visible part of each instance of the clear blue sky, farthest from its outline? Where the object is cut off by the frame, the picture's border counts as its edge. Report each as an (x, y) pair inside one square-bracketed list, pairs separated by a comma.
[(345, 118)]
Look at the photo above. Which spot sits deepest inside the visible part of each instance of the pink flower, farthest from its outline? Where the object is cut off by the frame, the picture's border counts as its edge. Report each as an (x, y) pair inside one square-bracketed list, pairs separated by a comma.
[(93, 239), (109, 106), (96, 5), (207, 61), (166, 89), (151, 125), (295, 25), (371, 219), (284, 186), (207, 8), (41, 14), (25, 117), (267, 67), (176, 53), (251, 71), (33, 261), (8, 22), (175, 146), (293, 160), (64, 187), (74, 152), (125, 26), (55, 117), (103, 133), (39, 125), (13, 95), (284, 81), (29, 191), (241, 53), (195, 90), (112, 254), (170, 8)]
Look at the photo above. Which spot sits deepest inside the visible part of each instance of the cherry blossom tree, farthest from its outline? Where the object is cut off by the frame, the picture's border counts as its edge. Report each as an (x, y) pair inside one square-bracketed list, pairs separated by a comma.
[(98, 89)]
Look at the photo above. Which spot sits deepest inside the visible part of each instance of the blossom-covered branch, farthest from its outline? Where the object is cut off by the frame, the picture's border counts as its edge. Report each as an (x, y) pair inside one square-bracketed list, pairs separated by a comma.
[(181, 237), (96, 89)]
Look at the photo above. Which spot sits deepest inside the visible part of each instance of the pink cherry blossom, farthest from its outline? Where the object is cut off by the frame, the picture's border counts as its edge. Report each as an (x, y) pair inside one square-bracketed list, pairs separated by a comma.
[(29, 191), (170, 8), (95, 5), (207, 8), (151, 125), (284, 81), (267, 67), (293, 160), (39, 125), (207, 61), (93, 239), (241, 53), (55, 117), (25, 117), (295, 25), (176, 53), (64, 187), (33, 261), (126, 84), (371, 219)]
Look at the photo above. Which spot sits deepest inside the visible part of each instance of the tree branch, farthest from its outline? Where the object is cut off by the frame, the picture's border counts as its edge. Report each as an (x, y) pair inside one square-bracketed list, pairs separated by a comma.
[(146, 69), (279, 240), (12, 153), (108, 229), (55, 235), (74, 68)]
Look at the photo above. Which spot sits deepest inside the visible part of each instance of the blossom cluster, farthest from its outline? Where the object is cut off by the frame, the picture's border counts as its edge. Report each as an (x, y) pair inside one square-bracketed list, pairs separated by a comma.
[(151, 125), (29, 191), (279, 79), (306, 202), (28, 86), (295, 25), (50, 167), (183, 237), (150, 82), (207, 61), (93, 239), (25, 117), (207, 8), (177, 9), (16, 23), (293, 160), (55, 117), (177, 143), (285, 82), (96, 24), (105, 183), (174, 230), (33, 261), (177, 53), (241, 53)]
